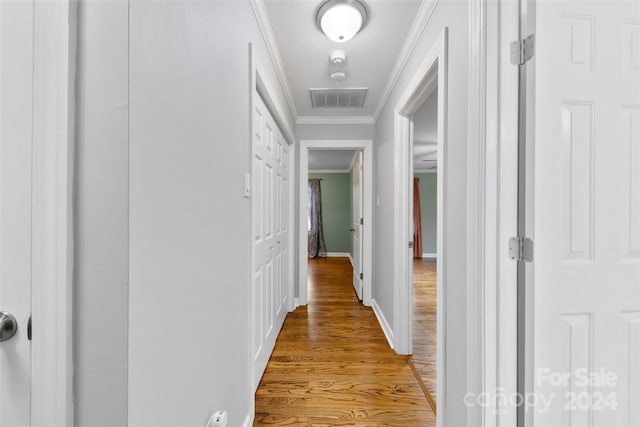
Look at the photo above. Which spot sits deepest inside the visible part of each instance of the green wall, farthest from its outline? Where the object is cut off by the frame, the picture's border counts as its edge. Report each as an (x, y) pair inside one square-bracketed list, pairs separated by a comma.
[(428, 210), (336, 210)]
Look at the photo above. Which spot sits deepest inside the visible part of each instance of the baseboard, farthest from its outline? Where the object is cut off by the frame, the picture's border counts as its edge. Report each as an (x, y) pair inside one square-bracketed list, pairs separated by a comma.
[(351, 260), (296, 303), (430, 255), (338, 254), (247, 421), (388, 332)]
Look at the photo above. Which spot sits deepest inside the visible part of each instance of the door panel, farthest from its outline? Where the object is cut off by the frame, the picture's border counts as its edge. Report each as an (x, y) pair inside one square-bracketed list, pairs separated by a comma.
[(270, 183), (357, 226), (16, 80), (587, 215)]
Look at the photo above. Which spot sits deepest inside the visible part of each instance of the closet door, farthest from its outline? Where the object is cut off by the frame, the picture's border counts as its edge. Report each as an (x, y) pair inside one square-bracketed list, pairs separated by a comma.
[(270, 229)]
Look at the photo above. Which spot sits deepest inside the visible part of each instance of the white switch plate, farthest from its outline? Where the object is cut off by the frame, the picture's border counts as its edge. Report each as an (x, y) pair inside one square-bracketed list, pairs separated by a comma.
[(247, 185)]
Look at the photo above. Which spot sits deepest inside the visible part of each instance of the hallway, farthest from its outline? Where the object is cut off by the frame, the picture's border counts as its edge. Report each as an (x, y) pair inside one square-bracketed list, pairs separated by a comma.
[(332, 364)]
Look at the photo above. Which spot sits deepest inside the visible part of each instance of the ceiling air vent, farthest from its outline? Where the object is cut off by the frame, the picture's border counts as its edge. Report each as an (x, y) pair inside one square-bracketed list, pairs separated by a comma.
[(338, 98)]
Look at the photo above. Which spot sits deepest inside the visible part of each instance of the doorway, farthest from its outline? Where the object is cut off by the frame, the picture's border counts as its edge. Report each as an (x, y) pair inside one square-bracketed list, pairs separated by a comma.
[(356, 149), (335, 210), (424, 208), (430, 80)]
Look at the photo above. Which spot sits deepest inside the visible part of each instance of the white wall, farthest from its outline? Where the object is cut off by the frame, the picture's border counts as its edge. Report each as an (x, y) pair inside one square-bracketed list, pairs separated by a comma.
[(452, 14), (190, 242), (101, 212)]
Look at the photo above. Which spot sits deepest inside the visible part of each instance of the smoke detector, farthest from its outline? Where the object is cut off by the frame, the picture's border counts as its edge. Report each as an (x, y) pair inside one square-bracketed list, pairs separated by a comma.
[(338, 57), (338, 76)]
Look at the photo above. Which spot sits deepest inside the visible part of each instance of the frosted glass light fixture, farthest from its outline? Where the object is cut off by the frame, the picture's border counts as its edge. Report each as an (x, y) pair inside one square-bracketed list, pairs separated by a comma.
[(340, 20)]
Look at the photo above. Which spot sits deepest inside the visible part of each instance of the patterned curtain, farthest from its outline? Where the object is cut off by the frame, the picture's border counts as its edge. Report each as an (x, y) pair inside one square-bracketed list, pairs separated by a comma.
[(317, 247), (417, 220)]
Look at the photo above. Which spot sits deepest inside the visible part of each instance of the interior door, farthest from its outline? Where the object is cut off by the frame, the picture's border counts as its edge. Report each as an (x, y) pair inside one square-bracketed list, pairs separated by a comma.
[(587, 213), (357, 225), (16, 80), (270, 231)]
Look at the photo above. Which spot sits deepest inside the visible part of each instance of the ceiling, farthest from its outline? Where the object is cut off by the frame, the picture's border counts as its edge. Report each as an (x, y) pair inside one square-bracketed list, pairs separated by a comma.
[(330, 160), (371, 54), (425, 133)]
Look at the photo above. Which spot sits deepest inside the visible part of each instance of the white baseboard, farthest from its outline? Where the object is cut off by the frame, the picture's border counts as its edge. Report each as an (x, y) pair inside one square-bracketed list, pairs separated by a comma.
[(388, 332), (351, 260), (338, 254), (296, 303), (248, 422), (430, 255)]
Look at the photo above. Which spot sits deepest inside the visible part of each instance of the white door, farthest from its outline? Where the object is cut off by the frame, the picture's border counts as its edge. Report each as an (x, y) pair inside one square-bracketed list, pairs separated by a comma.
[(587, 213), (16, 80), (357, 225), (270, 233)]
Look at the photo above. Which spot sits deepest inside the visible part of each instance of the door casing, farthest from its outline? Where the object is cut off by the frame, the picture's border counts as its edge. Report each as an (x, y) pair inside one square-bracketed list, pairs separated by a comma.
[(492, 212)]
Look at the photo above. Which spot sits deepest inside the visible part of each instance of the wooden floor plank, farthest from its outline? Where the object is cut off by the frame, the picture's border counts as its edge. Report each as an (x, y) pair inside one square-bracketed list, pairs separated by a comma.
[(424, 324), (332, 365)]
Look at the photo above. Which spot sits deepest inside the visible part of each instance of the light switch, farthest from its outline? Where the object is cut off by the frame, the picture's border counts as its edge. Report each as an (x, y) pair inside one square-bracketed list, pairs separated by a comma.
[(247, 185)]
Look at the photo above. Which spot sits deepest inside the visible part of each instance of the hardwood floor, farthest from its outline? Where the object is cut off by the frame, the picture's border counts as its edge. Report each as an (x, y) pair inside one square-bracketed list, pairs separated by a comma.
[(332, 365), (424, 324)]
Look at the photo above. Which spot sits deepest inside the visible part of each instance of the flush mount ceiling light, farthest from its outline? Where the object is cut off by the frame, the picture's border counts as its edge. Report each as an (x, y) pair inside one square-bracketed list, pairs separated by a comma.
[(340, 20)]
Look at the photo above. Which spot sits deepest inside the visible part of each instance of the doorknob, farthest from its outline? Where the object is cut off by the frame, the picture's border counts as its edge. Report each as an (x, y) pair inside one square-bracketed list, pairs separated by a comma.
[(8, 326)]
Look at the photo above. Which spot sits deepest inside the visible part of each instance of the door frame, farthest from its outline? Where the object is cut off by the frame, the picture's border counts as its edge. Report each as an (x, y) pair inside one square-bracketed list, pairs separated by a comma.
[(55, 26), (492, 213), (366, 145)]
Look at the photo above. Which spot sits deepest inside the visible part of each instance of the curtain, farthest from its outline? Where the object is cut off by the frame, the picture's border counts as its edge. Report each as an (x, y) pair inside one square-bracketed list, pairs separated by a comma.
[(417, 220), (317, 246)]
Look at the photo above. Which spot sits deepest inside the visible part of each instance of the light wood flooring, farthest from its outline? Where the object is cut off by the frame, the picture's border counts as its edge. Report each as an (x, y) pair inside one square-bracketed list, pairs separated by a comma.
[(332, 365), (424, 324)]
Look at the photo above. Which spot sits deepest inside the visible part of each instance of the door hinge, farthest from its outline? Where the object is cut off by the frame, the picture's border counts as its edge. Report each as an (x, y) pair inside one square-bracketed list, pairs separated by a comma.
[(361, 276), (410, 245), (522, 50), (521, 249), (29, 328), (361, 221)]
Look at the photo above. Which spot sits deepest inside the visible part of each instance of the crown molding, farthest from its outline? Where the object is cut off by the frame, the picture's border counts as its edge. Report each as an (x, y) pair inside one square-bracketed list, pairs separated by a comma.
[(264, 23), (329, 170), (425, 11), (335, 120)]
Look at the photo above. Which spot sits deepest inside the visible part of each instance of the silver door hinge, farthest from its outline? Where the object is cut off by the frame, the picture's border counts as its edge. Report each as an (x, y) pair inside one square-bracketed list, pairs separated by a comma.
[(521, 249), (522, 50), (410, 245)]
